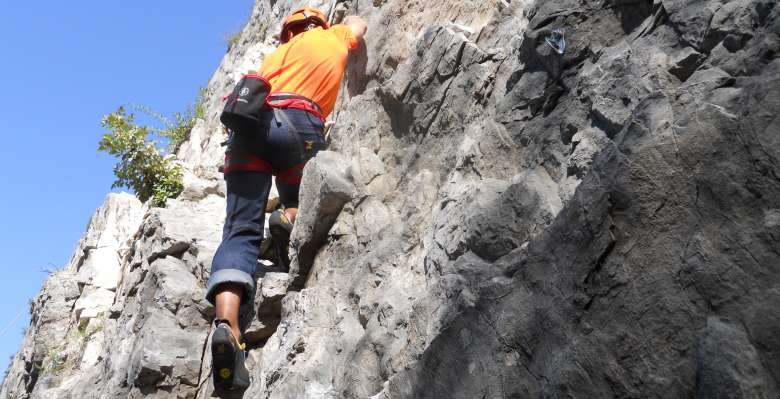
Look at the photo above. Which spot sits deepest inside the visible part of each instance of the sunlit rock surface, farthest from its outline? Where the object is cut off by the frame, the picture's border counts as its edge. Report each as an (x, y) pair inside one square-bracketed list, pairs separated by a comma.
[(493, 219)]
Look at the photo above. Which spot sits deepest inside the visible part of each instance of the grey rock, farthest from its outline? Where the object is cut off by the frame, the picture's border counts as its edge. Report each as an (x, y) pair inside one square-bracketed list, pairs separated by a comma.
[(587, 145), (272, 287), (176, 287), (325, 188), (493, 220), (197, 188), (691, 19), (728, 366), (685, 62)]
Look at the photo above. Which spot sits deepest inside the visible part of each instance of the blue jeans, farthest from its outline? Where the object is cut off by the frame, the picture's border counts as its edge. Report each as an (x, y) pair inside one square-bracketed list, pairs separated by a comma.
[(255, 157)]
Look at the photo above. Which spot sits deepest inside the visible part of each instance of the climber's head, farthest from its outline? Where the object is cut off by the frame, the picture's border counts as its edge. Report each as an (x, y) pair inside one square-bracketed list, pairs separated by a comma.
[(302, 20)]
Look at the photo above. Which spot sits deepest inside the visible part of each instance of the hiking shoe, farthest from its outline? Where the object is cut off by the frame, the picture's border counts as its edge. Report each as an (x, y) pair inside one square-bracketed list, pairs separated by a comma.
[(227, 362), (268, 250), (280, 228)]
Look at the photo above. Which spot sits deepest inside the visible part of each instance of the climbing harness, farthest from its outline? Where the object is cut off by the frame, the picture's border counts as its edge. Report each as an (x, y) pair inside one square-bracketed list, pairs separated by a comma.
[(253, 96), (294, 101)]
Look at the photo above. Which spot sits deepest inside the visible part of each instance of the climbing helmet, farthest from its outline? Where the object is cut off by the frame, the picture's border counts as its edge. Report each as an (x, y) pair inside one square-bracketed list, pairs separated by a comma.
[(303, 16)]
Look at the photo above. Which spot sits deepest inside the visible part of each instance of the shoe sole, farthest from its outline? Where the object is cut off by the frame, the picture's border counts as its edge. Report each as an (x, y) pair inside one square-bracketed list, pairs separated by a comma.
[(223, 355)]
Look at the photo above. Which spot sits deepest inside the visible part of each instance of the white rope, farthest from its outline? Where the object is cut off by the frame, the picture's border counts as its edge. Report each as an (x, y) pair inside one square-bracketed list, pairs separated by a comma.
[(330, 12), (11, 324)]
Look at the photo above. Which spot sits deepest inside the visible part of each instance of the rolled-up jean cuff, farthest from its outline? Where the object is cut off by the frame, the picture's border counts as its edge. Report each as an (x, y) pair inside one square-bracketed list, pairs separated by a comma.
[(229, 276)]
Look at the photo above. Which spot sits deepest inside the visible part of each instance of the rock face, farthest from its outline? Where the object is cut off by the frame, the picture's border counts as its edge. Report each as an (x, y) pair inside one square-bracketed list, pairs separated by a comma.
[(68, 317), (493, 219)]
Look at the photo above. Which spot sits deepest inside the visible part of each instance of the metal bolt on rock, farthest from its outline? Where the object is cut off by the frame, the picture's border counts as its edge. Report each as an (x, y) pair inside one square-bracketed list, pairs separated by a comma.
[(557, 40)]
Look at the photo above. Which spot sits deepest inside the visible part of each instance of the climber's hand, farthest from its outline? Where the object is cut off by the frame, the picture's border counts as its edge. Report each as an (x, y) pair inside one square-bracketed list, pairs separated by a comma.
[(357, 25), (326, 131)]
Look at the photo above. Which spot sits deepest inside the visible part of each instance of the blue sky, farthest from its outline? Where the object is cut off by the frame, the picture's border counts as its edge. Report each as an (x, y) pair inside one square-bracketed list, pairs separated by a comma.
[(63, 66)]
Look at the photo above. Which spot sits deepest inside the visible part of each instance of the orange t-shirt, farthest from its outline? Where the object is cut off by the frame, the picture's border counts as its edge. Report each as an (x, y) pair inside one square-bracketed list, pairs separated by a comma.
[(312, 64)]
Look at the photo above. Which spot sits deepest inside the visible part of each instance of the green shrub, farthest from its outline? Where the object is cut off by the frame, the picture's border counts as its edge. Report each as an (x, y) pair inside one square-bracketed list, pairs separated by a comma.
[(56, 362), (145, 165), (141, 165), (85, 332), (233, 39)]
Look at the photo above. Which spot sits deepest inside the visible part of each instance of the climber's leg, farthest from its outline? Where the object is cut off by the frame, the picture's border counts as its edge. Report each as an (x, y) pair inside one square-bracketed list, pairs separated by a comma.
[(228, 302), (233, 267), (280, 223), (232, 273), (229, 372), (288, 196), (228, 369), (297, 136)]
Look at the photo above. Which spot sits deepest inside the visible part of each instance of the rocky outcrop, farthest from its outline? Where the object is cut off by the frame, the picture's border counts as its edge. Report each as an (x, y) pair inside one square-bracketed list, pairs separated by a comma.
[(493, 219), (68, 316)]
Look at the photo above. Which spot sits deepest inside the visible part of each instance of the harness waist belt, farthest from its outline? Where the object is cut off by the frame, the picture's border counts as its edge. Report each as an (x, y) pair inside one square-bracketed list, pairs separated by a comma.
[(292, 100)]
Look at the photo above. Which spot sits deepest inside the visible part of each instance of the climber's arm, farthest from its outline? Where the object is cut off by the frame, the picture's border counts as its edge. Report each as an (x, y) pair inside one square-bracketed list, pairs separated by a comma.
[(357, 25)]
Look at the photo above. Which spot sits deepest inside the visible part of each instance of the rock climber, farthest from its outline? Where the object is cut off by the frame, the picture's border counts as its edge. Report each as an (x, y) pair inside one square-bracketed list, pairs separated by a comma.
[(305, 75)]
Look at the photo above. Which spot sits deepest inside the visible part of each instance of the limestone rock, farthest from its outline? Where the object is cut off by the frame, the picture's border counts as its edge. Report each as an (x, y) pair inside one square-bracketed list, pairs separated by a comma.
[(685, 63), (325, 189), (492, 219), (272, 288), (728, 364), (587, 145)]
